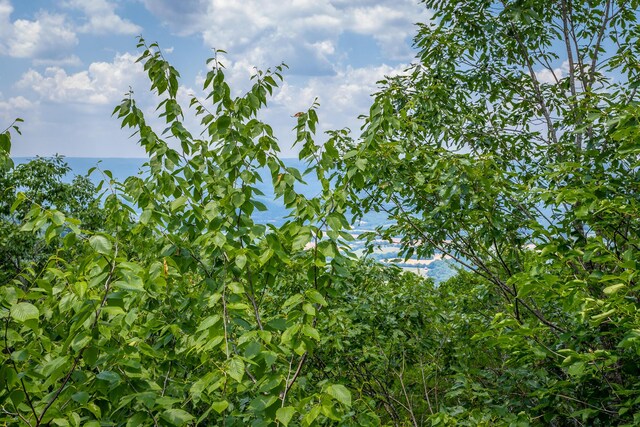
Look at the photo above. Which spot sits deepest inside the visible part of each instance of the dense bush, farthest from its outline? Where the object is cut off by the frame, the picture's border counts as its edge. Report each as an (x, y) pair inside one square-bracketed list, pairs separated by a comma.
[(162, 302)]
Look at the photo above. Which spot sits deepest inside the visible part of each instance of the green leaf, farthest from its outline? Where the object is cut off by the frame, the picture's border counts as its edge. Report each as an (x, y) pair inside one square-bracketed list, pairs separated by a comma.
[(237, 199), (136, 420), (24, 311), (576, 369), (312, 415), (55, 366), (17, 397), (610, 290), (316, 297), (236, 369), (223, 124), (220, 406), (208, 322), (81, 397), (145, 216), (301, 240), (309, 309), (90, 355), (178, 203), (340, 393), (20, 197), (108, 376), (285, 414), (289, 333), (100, 244), (241, 261), (177, 417), (292, 301), (311, 332), (80, 341), (5, 142)]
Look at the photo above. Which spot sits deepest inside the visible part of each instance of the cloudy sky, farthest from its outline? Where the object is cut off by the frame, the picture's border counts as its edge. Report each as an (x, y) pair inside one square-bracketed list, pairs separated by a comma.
[(65, 64)]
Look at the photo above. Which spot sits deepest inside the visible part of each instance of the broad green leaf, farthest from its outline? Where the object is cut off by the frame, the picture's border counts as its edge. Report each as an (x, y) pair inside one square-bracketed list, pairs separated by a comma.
[(177, 417), (610, 290), (309, 309), (5, 142), (261, 402), (55, 366), (576, 369), (285, 414), (100, 244), (24, 311), (178, 203), (311, 416), (108, 376), (241, 261), (146, 216), (223, 124), (138, 419), (340, 393), (316, 297), (220, 406), (293, 301), (81, 341), (289, 333), (311, 332), (17, 397), (81, 397), (237, 199), (236, 369)]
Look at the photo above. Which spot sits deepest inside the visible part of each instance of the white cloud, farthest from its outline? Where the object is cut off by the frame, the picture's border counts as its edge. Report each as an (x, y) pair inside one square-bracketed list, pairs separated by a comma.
[(102, 18), (102, 83), (552, 76), (48, 36), (181, 15), (342, 97), (14, 107), (311, 36), (388, 24), (5, 18), (68, 61), (303, 33), (347, 94), (15, 103)]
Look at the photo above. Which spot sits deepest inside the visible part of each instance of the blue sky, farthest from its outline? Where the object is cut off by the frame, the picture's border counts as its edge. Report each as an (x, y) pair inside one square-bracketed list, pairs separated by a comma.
[(65, 64)]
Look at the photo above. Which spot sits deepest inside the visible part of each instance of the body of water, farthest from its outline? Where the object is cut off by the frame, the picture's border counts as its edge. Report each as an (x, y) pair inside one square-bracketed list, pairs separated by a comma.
[(122, 168)]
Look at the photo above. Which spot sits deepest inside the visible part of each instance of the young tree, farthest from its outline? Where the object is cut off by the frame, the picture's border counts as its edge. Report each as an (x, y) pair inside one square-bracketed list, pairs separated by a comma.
[(182, 309), (509, 145), (39, 182)]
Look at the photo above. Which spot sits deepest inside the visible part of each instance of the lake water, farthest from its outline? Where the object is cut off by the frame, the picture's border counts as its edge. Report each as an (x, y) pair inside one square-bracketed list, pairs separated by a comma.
[(122, 168)]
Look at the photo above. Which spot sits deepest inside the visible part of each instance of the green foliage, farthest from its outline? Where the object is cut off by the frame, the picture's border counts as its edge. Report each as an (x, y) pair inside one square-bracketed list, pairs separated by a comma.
[(377, 338), (5, 145), (181, 309), (531, 185), (38, 184), (163, 302)]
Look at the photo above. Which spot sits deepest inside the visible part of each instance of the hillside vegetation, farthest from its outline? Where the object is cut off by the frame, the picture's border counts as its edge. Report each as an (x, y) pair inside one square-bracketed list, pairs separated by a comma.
[(511, 145)]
